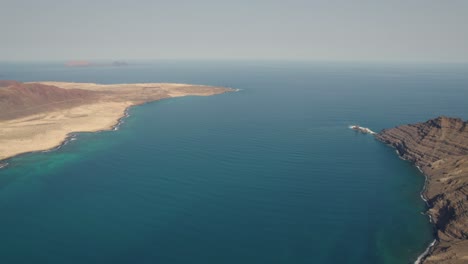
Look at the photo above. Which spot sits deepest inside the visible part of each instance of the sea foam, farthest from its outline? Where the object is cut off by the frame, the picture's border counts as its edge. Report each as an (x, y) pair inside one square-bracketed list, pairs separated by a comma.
[(426, 252)]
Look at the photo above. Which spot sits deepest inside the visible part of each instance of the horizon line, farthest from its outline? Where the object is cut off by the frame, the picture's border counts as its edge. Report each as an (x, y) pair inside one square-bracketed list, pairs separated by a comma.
[(383, 61)]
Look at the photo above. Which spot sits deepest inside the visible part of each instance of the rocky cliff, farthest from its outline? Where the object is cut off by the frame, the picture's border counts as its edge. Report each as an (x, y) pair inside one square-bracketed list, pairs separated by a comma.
[(439, 147)]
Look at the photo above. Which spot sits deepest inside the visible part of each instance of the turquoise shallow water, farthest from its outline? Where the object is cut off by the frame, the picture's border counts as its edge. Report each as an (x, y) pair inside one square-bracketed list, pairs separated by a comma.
[(270, 174)]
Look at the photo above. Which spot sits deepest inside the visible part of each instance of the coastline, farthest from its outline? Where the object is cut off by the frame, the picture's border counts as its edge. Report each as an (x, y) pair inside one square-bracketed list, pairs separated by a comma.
[(51, 129), (60, 142), (427, 252), (69, 137), (438, 148), (121, 119)]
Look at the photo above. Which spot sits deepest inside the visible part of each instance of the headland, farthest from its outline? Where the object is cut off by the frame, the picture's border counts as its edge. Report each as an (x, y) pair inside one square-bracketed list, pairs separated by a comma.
[(40, 115), (439, 148)]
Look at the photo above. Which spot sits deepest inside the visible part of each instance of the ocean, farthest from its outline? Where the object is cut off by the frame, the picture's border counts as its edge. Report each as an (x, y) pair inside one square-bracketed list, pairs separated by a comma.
[(269, 174)]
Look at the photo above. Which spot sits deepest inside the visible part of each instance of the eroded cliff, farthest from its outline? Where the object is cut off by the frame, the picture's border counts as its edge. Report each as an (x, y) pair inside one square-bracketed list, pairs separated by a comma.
[(440, 148)]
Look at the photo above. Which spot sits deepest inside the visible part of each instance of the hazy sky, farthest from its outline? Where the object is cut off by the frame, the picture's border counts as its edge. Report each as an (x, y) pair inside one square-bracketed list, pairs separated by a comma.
[(407, 30)]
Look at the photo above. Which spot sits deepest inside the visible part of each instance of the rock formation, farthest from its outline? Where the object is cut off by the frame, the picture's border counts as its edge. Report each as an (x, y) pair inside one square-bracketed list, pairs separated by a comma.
[(439, 147)]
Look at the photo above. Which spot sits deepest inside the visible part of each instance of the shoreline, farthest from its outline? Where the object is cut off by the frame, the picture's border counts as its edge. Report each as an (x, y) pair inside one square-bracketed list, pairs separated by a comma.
[(68, 138), (431, 246), (120, 120), (72, 135), (50, 129), (438, 148), (427, 252)]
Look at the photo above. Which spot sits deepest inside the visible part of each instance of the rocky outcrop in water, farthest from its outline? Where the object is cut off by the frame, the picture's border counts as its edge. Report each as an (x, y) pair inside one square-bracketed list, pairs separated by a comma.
[(439, 147)]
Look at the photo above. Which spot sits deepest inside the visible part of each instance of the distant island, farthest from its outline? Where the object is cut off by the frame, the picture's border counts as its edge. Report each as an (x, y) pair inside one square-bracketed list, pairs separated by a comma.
[(81, 63), (40, 115), (439, 147)]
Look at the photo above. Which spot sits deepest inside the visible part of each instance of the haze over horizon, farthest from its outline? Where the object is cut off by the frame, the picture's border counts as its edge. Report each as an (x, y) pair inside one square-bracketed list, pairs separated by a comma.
[(207, 29)]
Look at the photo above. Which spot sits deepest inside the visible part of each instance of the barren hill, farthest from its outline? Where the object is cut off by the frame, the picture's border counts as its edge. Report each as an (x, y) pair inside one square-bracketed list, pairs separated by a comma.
[(21, 99)]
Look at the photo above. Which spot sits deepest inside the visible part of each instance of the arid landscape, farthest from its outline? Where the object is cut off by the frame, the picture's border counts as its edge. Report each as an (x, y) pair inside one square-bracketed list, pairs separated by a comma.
[(39, 116), (293, 161)]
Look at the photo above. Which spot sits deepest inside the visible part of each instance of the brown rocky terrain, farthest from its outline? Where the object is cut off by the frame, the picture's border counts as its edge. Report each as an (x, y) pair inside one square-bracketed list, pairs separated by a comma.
[(439, 147), (21, 99)]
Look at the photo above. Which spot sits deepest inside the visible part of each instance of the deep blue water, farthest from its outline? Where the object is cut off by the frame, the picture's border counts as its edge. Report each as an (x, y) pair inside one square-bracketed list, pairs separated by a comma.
[(270, 174)]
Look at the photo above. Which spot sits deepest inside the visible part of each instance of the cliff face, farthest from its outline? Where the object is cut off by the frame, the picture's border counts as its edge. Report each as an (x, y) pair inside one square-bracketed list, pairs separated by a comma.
[(21, 99), (440, 148)]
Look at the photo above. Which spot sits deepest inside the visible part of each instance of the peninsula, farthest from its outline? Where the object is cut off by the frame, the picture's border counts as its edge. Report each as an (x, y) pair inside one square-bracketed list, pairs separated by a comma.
[(40, 115), (439, 147)]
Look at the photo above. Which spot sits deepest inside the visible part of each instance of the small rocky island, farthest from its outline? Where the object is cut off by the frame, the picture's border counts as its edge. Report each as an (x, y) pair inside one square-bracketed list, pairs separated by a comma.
[(439, 147)]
